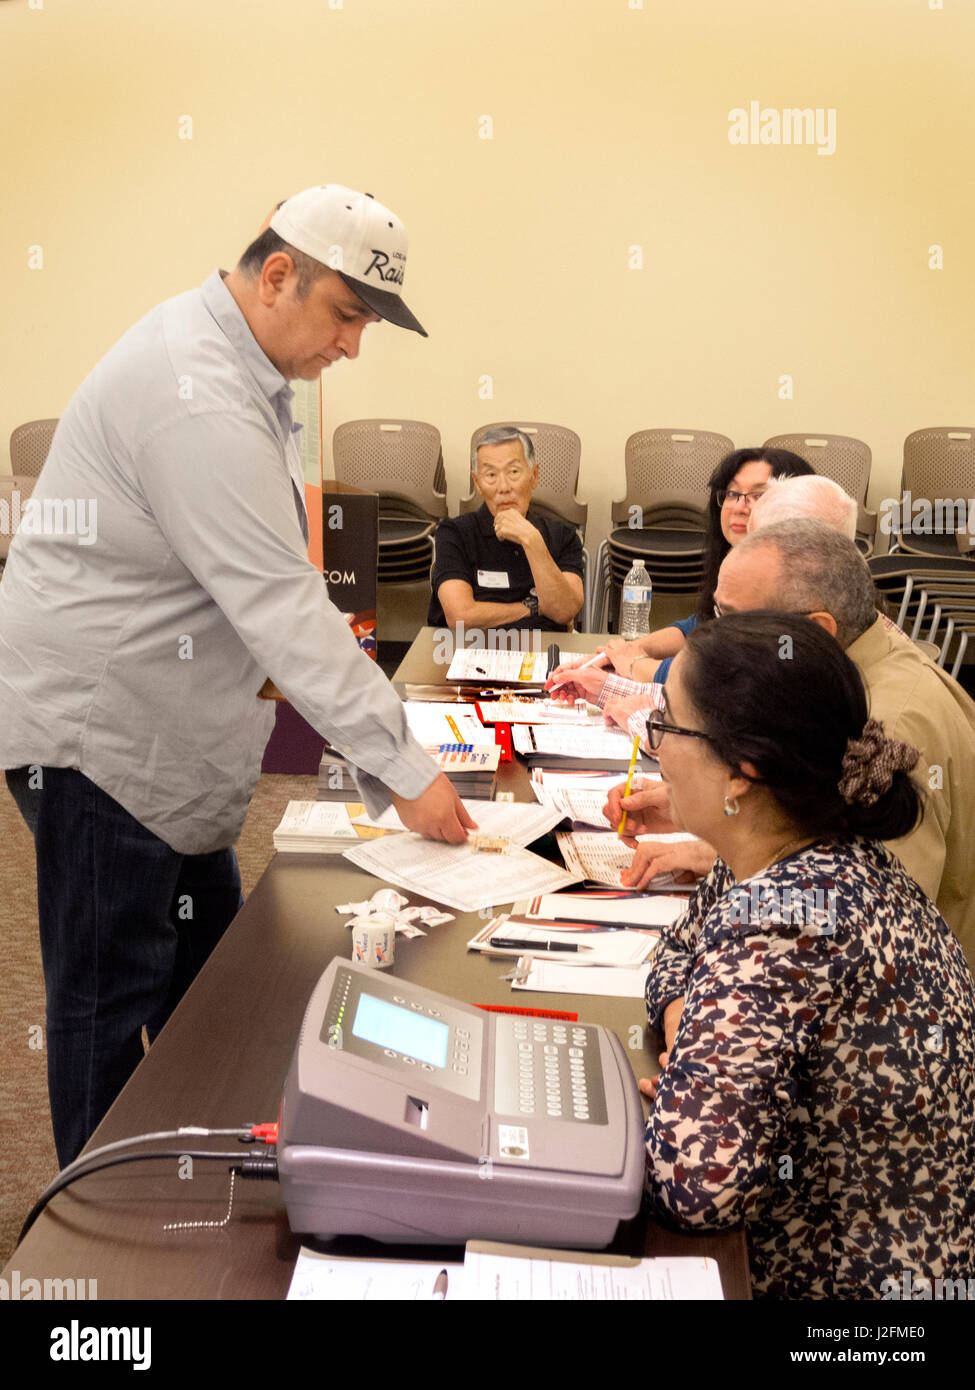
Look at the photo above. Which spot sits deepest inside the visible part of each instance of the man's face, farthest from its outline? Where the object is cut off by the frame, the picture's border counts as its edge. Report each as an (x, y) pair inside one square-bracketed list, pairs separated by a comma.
[(504, 478), (309, 334), (748, 581)]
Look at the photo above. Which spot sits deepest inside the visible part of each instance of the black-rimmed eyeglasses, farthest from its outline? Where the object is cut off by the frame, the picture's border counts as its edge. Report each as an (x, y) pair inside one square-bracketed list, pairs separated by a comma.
[(657, 726)]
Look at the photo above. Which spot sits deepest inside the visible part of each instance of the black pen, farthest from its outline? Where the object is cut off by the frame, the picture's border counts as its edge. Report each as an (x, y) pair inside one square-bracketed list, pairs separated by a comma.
[(509, 945)]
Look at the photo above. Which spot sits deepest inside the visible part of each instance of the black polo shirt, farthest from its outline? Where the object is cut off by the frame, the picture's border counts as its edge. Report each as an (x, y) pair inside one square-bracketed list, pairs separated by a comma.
[(498, 571)]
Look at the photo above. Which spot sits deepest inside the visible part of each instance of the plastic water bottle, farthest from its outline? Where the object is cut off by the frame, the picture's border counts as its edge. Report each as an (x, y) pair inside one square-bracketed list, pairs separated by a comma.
[(635, 603)]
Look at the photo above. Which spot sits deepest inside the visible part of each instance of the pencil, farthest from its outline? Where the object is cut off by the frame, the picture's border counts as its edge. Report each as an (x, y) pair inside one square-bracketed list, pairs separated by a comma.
[(454, 727), (629, 778)]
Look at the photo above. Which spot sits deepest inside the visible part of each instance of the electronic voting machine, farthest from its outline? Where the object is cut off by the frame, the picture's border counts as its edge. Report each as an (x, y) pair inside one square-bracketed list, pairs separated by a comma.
[(411, 1117)]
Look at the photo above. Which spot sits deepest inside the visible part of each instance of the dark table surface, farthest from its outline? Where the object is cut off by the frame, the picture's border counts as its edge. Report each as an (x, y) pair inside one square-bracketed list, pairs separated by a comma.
[(221, 1061)]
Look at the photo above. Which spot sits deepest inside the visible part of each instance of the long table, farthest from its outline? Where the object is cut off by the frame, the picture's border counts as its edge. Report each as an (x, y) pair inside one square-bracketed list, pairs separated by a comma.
[(221, 1061)]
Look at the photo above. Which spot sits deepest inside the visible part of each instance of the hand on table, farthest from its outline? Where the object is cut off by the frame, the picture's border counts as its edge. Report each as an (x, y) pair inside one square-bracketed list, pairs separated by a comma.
[(437, 813)]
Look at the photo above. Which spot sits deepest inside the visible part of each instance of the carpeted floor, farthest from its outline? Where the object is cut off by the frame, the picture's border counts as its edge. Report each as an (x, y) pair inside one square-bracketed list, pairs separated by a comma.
[(27, 1158)]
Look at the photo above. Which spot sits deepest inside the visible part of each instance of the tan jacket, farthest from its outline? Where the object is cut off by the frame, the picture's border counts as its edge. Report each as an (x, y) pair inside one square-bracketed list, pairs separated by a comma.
[(919, 703)]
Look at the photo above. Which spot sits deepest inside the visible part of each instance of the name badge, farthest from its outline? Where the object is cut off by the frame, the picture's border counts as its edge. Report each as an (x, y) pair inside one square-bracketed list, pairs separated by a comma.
[(493, 579)]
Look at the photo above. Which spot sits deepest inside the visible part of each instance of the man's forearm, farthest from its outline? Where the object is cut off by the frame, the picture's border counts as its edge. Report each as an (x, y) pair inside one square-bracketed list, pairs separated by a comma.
[(484, 615), (557, 598)]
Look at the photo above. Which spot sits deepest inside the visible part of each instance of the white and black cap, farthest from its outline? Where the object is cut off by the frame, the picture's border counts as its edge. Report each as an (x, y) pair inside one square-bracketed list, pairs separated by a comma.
[(357, 237)]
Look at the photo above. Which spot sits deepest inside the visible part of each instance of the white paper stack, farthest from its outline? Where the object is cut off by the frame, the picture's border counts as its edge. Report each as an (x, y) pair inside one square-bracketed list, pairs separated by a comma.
[(315, 827)]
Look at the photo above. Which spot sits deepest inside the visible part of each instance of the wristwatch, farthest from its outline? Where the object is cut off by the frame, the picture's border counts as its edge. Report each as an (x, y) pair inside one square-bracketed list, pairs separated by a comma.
[(531, 603)]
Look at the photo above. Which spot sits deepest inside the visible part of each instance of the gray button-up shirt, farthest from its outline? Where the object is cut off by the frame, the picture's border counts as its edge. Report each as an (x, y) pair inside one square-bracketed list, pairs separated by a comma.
[(134, 648)]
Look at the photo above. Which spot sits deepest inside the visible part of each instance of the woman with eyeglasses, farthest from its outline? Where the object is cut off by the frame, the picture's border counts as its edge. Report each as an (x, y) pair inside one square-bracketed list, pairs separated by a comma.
[(735, 485), (818, 1015)]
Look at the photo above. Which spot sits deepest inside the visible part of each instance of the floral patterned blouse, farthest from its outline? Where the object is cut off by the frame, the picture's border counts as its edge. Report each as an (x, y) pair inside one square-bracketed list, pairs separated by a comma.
[(821, 1085)]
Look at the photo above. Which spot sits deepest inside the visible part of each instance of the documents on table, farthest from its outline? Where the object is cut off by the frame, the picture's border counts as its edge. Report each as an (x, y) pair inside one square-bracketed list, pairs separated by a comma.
[(338, 1277), (494, 1273), (583, 944), (455, 875), (319, 827), (433, 724), (526, 668), (521, 821), (506, 1272), (586, 743), (601, 856), (555, 977), (525, 710), (606, 906)]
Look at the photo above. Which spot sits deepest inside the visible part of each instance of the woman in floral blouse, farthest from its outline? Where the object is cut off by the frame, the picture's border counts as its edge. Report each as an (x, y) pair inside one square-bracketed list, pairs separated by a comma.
[(818, 1014)]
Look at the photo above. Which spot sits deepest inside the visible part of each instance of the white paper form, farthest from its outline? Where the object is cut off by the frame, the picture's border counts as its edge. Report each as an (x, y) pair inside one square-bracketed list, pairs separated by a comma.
[(475, 664), (572, 741), (546, 781), (601, 856), (615, 909), (327, 1277), (521, 821), (528, 711), (556, 977), (505, 1277), (454, 874), (428, 723)]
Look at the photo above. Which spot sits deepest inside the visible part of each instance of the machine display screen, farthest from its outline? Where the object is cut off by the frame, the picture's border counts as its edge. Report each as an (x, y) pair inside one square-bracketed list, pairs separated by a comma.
[(403, 1030)]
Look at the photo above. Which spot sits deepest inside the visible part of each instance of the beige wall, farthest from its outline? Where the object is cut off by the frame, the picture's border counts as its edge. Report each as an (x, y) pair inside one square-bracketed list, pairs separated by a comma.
[(610, 130)]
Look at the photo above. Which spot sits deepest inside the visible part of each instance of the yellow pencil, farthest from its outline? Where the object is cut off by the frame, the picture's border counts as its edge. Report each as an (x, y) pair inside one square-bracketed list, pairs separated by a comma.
[(454, 727), (629, 778)]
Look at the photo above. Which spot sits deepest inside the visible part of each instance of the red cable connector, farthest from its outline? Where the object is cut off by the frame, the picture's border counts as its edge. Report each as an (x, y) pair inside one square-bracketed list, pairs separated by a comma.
[(266, 1132)]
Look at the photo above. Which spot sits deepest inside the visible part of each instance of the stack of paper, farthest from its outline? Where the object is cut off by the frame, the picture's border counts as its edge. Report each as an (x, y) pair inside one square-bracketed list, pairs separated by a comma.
[(515, 668), (434, 723), (315, 827), (596, 747)]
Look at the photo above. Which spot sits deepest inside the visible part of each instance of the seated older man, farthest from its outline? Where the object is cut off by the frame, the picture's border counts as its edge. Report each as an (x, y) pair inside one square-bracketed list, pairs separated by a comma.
[(505, 566), (808, 568)]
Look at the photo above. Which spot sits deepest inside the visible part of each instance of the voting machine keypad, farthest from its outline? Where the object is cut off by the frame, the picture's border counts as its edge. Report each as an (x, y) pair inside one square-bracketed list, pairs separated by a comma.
[(545, 1069)]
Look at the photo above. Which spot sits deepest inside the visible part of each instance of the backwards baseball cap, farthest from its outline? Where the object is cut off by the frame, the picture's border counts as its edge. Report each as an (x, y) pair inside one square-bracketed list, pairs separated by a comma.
[(357, 237)]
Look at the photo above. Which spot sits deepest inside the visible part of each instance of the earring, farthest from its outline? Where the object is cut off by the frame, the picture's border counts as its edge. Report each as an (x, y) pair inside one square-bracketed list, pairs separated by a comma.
[(731, 807)]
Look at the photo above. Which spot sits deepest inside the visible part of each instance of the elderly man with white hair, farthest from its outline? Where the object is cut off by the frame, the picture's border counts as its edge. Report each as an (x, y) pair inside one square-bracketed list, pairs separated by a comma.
[(821, 499)]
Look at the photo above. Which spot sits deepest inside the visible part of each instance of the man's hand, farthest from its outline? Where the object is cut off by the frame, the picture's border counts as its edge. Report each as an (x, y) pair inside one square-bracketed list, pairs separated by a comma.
[(437, 813), (646, 807), (688, 859), (510, 525), (670, 1020)]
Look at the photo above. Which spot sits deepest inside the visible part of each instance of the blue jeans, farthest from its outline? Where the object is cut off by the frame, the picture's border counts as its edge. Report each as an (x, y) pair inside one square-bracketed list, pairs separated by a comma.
[(126, 923)]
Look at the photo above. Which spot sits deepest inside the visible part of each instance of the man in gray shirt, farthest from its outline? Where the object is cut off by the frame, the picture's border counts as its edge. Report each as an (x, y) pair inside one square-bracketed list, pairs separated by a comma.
[(131, 656)]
